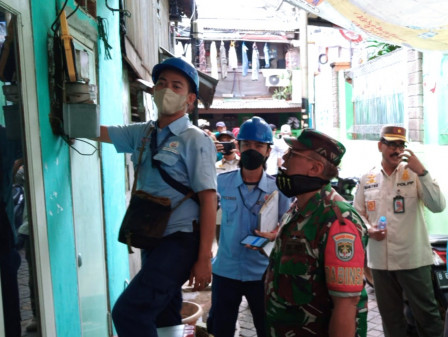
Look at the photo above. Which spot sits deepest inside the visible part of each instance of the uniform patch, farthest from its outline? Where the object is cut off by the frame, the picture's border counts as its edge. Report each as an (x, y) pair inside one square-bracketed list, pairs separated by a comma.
[(174, 145), (170, 149), (371, 179), (344, 244), (405, 175), (371, 205)]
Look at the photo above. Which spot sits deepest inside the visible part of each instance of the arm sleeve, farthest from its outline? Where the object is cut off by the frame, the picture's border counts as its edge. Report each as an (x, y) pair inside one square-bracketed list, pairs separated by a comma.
[(429, 192), (126, 138), (344, 260), (201, 163), (359, 203)]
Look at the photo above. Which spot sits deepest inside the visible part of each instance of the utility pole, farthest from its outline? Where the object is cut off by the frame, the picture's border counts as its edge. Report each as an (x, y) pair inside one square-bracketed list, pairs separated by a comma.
[(194, 42), (303, 43)]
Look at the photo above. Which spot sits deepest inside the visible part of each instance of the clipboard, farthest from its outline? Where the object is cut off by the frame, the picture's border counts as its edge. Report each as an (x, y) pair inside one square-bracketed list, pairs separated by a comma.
[(268, 214)]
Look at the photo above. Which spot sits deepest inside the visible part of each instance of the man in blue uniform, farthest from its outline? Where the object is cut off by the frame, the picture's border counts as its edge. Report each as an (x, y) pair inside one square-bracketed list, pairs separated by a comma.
[(237, 269), (9, 257), (154, 298)]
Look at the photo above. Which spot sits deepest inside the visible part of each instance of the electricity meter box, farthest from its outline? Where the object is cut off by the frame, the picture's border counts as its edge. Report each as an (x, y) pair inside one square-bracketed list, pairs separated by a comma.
[(81, 120)]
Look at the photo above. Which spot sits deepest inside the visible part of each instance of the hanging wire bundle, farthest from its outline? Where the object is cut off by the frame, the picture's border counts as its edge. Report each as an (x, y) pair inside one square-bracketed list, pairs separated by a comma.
[(103, 35)]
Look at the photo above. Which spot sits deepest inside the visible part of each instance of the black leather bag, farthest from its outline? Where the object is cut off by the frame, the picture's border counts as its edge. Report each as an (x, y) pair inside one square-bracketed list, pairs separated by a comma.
[(145, 220)]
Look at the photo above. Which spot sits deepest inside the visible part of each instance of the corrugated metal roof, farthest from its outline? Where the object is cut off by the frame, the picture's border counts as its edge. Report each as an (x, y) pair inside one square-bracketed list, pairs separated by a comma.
[(242, 104), (265, 25)]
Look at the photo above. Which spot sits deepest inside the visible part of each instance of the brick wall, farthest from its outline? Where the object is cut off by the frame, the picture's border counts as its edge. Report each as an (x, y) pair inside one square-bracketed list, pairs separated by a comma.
[(415, 96)]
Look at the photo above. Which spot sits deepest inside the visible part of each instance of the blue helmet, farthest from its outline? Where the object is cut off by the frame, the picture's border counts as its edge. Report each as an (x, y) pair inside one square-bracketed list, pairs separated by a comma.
[(255, 129), (176, 63)]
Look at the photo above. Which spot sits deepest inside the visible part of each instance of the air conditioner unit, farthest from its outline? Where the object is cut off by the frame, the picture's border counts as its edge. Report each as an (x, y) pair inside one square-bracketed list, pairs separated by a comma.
[(277, 77)]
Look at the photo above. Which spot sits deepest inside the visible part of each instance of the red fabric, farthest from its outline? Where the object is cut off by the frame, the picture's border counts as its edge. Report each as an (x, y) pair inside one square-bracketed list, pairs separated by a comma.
[(344, 258)]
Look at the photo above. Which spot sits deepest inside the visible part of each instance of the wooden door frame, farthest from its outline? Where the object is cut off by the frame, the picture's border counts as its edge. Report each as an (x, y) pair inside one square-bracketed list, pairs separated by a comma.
[(22, 10)]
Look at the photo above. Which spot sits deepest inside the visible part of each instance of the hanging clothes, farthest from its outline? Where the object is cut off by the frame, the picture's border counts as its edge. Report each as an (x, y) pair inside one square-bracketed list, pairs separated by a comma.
[(245, 59), (233, 59), (214, 60), (178, 49), (187, 52), (255, 62), (267, 63), (223, 58), (202, 59)]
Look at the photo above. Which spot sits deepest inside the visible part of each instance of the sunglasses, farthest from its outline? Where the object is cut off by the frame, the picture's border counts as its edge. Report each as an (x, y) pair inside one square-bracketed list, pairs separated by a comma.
[(394, 145), (292, 152)]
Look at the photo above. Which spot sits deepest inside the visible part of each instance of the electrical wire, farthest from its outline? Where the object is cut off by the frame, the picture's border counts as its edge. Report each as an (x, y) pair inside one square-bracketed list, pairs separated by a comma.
[(54, 28), (68, 141), (103, 32), (73, 12)]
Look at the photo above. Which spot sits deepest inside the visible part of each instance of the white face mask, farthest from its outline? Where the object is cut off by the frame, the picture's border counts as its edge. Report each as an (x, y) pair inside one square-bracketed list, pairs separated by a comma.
[(168, 102)]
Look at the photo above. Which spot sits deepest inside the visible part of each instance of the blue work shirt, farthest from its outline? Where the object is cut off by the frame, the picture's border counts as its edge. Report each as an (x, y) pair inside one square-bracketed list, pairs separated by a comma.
[(186, 153), (240, 206)]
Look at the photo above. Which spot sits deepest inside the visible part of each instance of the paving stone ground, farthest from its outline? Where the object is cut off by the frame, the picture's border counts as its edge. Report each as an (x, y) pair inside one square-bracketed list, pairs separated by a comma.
[(245, 327)]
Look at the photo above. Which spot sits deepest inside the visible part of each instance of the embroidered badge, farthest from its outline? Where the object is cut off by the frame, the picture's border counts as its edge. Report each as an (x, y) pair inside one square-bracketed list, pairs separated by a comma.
[(405, 175), (174, 144), (371, 205), (344, 243), (371, 179)]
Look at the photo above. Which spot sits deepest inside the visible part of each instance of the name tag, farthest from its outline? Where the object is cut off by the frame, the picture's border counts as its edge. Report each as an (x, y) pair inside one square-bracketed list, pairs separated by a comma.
[(228, 198)]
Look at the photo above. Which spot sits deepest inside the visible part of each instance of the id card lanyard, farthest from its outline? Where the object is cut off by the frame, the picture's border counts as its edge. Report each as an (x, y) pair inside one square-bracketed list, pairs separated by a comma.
[(398, 203), (250, 209)]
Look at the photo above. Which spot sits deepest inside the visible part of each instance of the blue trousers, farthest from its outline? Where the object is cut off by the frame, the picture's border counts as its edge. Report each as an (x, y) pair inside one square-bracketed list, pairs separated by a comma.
[(154, 297), (9, 265), (227, 295)]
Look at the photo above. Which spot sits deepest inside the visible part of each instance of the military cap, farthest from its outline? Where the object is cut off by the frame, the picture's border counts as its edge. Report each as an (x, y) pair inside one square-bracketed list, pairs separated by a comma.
[(393, 133), (322, 144)]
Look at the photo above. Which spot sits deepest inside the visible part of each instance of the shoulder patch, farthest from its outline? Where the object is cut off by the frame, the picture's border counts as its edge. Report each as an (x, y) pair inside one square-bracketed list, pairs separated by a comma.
[(344, 244)]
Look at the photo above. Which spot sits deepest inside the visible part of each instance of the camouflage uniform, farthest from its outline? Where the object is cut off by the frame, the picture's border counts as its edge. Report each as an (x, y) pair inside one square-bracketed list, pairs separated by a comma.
[(298, 301)]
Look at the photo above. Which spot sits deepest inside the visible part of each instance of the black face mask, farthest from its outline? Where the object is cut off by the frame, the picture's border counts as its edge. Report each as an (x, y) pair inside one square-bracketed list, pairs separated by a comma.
[(297, 184), (251, 159)]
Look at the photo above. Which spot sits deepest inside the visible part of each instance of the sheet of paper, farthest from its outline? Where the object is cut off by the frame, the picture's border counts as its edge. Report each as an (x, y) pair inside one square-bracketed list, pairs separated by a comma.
[(268, 215), (267, 249)]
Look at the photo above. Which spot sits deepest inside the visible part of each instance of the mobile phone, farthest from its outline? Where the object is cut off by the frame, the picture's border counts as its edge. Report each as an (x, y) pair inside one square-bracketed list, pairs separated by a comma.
[(255, 241), (228, 147)]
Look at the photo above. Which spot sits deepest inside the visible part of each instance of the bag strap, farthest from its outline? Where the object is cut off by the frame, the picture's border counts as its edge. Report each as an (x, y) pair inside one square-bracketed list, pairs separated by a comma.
[(142, 148), (175, 184), (166, 177)]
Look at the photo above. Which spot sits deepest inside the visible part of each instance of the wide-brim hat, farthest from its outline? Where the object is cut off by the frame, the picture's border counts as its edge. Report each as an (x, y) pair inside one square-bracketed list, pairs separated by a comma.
[(322, 144), (393, 133)]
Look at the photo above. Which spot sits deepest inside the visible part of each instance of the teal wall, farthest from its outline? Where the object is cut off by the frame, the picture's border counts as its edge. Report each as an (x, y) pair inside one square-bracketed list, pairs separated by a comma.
[(56, 168), (111, 104)]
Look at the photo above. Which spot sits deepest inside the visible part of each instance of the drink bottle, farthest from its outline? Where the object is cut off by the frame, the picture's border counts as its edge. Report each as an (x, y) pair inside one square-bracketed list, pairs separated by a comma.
[(382, 223)]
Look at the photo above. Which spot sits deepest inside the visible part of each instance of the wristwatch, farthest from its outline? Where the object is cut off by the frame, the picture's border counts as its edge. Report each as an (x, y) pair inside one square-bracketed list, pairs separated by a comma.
[(425, 172)]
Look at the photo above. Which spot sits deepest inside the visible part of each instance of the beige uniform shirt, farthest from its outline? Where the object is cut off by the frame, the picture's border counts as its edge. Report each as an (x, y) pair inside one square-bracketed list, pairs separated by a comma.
[(224, 165), (406, 245)]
